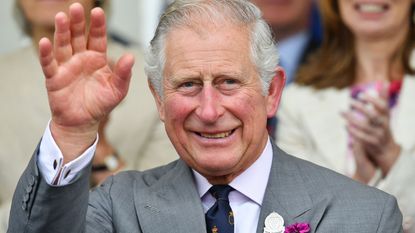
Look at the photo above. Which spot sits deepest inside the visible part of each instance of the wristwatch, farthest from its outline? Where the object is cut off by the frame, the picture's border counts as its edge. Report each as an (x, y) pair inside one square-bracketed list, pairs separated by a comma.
[(111, 163)]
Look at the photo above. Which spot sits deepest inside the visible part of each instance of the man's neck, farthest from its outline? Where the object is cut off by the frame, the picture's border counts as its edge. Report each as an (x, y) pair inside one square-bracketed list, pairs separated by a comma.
[(244, 182)]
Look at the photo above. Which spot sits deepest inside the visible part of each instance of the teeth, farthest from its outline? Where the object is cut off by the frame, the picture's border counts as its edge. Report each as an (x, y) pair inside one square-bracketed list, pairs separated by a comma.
[(371, 8), (216, 136)]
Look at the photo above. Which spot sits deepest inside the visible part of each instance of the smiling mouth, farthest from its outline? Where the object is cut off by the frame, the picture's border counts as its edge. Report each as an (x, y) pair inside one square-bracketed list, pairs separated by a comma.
[(216, 135), (371, 7)]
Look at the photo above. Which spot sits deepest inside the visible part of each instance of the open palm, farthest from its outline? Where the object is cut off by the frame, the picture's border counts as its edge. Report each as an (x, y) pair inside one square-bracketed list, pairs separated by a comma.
[(81, 86)]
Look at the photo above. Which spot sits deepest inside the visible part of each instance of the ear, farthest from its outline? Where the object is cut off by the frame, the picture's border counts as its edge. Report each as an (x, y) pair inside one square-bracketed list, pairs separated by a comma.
[(159, 102), (275, 92)]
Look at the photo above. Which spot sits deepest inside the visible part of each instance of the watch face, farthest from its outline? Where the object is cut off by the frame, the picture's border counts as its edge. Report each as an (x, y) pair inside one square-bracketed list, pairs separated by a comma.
[(111, 162)]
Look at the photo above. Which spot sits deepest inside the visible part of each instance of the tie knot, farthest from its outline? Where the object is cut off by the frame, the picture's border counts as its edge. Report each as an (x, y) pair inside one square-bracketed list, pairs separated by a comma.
[(220, 192)]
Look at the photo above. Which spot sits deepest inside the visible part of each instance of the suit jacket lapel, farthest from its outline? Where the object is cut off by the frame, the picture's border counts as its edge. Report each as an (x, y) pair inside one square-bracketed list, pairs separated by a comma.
[(172, 204), (288, 195)]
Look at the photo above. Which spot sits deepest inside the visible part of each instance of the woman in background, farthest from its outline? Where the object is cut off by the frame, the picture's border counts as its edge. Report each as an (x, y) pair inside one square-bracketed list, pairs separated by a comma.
[(351, 108)]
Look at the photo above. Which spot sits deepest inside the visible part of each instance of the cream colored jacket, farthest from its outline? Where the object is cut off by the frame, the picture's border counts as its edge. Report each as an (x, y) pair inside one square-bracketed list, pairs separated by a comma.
[(134, 128), (310, 126)]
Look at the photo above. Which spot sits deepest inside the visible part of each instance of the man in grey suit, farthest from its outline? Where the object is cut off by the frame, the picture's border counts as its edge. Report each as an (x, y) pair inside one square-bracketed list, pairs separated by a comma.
[(212, 68)]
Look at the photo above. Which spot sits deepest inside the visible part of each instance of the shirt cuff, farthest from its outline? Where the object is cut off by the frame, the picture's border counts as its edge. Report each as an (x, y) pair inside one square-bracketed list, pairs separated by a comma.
[(50, 161)]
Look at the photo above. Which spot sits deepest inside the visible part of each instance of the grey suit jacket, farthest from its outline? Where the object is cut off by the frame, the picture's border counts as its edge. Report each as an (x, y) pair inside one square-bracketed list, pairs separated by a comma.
[(165, 200)]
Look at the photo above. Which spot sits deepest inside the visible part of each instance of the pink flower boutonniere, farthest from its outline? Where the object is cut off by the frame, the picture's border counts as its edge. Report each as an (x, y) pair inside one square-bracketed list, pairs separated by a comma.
[(298, 228)]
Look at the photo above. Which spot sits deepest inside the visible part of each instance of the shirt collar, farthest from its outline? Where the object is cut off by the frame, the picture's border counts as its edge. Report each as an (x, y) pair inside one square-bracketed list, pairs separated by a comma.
[(255, 188)]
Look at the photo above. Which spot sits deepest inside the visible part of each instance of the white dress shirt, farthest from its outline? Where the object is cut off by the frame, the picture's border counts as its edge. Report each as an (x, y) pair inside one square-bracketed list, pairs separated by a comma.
[(246, 199)]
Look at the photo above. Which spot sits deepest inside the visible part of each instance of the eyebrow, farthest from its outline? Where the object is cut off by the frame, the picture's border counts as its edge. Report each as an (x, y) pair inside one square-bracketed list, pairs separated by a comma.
[(178, 79)]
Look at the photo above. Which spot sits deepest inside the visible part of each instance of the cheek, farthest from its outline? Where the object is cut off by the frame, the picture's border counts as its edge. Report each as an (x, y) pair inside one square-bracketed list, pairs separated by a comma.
[(250, 109), (177, 109)]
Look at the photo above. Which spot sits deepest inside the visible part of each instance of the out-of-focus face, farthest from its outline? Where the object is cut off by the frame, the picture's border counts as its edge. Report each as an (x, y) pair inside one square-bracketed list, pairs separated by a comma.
[(42, 12), (285, 15), (213, 108), (375, 18)]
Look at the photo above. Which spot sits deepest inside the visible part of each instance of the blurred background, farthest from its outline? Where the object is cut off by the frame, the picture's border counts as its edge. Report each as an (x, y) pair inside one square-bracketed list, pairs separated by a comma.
[(134, 20)]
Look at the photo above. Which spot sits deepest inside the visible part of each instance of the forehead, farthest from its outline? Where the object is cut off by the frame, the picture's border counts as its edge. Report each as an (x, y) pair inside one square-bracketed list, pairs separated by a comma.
[(211, 47)]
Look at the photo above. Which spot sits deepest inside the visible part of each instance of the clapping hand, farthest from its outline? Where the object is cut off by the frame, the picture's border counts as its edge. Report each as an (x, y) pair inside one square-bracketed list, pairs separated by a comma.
[(81, 86), (368, 123)]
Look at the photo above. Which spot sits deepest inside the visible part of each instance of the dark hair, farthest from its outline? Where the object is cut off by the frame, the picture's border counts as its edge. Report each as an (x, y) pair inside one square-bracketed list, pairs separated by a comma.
[(334, 64)]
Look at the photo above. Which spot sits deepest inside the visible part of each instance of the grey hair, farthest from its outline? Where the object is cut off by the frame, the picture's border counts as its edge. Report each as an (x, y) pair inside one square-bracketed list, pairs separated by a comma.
[(185, 13)]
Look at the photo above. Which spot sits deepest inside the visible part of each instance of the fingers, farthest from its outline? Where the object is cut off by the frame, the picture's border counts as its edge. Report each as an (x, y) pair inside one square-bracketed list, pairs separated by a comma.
[(375, 109), (364, 137), (77, 27), (367, 110), (122, 71), (47, 61), (97, 39), (70, 34), (360, 128), (379, 103), (62, 38)]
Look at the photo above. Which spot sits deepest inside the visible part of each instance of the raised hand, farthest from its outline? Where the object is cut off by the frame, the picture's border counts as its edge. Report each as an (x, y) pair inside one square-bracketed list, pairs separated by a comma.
[(81, 86)]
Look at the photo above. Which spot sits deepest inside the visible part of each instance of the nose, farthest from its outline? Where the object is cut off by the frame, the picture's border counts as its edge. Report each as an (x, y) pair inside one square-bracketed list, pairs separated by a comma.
[(210, 108)]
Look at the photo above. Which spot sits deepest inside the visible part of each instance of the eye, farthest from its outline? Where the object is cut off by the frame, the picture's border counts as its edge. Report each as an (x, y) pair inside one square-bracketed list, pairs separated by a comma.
[(230, 81), (229, 84), (189, 86)]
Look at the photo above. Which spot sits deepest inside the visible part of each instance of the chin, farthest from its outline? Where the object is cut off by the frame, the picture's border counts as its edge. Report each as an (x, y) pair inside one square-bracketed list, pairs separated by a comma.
[(217, 167)]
